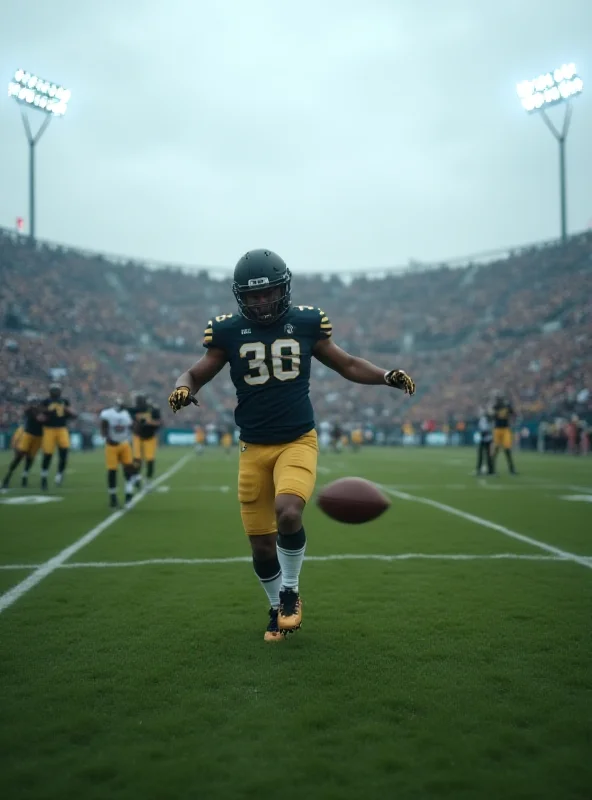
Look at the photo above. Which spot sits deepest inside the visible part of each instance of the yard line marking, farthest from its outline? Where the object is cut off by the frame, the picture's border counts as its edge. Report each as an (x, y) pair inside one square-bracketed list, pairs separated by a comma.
[(42, 571), (485, 523), (340, 557), (335, 557)]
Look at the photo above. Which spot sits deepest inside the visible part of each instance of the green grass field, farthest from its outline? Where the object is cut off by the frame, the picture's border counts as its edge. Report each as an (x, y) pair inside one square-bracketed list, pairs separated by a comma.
[(446, 649)]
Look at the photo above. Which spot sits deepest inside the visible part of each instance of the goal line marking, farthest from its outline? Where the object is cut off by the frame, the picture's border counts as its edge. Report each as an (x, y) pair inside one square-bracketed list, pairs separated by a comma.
[(564, 555), (45, 569), (337, 557)]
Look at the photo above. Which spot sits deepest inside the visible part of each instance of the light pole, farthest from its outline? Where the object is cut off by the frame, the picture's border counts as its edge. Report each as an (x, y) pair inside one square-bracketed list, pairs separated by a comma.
[(31, 91), (552, 89)]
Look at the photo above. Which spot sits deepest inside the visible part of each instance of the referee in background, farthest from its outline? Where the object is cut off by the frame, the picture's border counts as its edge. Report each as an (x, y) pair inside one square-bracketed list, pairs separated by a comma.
[(484, 443)]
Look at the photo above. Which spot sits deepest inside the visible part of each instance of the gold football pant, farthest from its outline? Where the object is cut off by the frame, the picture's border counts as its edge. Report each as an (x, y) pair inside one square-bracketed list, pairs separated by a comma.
[(116, 454), (266, 470), (145, 449), (502, 437), (55, 437), (29, 444)]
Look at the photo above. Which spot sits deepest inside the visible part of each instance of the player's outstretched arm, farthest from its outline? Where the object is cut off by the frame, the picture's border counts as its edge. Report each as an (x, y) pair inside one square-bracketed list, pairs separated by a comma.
[(358, 370), (190, 382)]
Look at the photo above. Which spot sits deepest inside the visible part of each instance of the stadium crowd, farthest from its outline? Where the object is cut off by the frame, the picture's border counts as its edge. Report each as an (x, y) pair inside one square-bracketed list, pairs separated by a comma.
[(521, 324)]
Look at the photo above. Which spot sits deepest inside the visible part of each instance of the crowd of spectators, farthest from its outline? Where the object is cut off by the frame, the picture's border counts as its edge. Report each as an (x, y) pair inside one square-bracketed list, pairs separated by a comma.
[(521, 324)]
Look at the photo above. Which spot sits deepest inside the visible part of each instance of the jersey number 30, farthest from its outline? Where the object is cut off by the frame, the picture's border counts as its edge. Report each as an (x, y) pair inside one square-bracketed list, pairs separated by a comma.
[(285, 361)]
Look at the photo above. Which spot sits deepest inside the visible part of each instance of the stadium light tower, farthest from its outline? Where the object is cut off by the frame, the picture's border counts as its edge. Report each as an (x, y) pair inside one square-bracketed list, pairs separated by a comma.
[(31, 91), (552, 89)]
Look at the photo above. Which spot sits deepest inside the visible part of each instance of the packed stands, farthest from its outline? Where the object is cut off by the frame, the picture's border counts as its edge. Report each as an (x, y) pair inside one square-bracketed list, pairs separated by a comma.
[(521, 323)]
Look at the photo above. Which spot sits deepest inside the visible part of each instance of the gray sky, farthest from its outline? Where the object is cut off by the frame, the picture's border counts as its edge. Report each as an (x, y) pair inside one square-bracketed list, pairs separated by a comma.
[(340, 134)]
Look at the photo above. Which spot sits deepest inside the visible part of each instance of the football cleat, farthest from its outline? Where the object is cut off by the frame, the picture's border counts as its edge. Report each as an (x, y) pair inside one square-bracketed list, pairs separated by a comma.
[(273, 633), (24, 482), (290, 616), (44, 484), (59, 479), (113, 502)]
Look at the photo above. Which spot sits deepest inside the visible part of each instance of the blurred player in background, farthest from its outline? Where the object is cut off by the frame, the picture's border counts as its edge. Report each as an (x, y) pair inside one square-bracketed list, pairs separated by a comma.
[(336, 437), (226, 440), (56, 414), (503, 415), (357, 439), (270, 345), (200, 438), (116, 429), (146, 422), (485, 435), (27, 443)]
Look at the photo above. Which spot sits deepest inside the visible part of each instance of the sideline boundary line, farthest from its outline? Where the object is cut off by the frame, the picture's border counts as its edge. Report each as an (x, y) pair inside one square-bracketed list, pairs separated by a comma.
[(45, 569), (333, 557), (563, 555)]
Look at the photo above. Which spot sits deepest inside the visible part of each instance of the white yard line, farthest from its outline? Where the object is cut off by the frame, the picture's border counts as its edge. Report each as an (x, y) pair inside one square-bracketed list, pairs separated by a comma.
[(336, 557), (485, 523), (43, 570)]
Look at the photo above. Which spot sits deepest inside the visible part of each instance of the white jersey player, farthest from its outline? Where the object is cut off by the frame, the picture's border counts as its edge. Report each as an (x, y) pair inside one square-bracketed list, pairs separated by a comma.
[(116, 428)]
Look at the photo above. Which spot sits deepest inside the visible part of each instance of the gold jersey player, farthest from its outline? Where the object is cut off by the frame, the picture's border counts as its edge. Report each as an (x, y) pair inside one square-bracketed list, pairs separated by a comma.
[(28, 442), (503, 416), (56, 413), (269, 346), (147, 421)]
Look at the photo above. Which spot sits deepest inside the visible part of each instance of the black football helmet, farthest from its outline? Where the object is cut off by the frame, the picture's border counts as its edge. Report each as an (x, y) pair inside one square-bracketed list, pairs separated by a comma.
[(260, 271), (55, 391)]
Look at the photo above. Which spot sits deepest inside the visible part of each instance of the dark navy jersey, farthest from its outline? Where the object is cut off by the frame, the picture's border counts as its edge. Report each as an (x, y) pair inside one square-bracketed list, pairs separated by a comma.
[(270, 369), (502, 414), (56, 411), (31, 423), (144, 417)]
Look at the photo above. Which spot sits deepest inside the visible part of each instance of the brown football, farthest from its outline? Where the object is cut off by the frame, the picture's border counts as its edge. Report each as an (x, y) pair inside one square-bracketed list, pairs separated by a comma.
[(352, 500)]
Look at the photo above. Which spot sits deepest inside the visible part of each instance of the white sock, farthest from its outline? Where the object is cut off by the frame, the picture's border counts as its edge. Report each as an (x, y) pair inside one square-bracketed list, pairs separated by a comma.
[(272, 590), (271, 585), (129, 486), (291, 564)]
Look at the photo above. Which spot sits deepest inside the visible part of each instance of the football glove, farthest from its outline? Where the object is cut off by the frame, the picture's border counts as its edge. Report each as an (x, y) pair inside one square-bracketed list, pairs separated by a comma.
[(399, 379), (180, 398)]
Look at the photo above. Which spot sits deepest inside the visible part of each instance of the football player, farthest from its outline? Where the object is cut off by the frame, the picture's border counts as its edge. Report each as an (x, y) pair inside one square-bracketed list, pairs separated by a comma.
[(226, 440), (269, 346), (28, 442), (503, 415), (116, 428), (357, 439), (200, 438), (147, 421), (56, 414)]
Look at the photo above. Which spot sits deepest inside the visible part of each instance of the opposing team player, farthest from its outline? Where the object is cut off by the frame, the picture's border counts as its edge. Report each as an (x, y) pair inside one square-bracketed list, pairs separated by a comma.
[(147, 421), (116, 429), (503, 416), (270, 346), (56, 414), (28, 442)]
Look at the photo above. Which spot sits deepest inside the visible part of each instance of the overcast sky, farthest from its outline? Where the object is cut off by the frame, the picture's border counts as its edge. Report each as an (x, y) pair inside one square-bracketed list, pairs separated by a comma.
[(340, 134)]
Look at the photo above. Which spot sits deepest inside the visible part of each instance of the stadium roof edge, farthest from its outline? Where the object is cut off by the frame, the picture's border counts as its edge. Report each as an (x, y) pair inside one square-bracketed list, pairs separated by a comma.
[(499, 254)]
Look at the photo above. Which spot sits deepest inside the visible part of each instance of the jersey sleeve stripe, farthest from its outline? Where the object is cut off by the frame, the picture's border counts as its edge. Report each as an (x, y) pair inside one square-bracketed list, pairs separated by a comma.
[(209, 331), (207, 340), (326, 326)]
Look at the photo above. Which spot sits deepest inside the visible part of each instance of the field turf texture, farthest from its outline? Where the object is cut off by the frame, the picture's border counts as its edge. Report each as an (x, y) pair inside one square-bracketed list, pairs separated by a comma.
[(446, 648)]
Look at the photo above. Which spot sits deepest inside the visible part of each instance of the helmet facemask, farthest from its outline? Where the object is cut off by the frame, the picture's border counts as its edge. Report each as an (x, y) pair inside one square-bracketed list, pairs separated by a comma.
[(266, 310)]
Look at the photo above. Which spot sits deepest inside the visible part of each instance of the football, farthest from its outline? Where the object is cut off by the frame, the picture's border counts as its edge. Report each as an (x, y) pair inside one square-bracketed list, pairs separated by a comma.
[(352, 500)]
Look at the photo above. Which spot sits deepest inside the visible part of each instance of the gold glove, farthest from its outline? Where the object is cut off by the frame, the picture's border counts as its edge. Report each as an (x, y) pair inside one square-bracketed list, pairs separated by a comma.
[(398, 379), (180, 398)]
